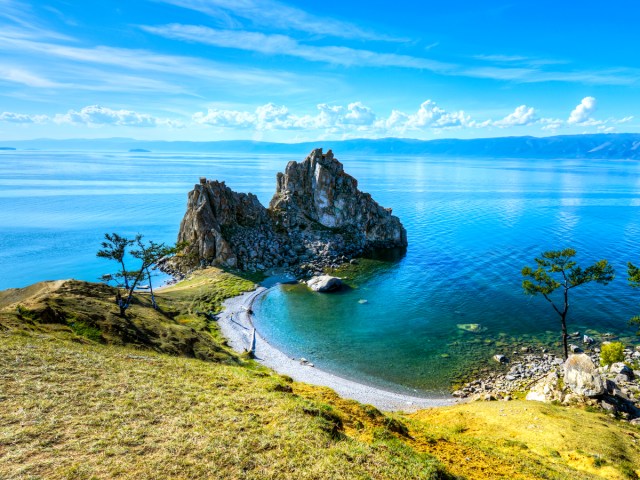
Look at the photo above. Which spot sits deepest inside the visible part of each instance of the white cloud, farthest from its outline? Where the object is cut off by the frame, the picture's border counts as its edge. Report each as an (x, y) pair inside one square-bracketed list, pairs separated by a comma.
[(359, 114), (278, 117), (25, 77), (582, 113), (95, 115), (105, 68), (329, 120), (22, 118), (551, 124), (271, 116), (622, 120), (224, 118), (357, 117), (429, 115), (522, 115), (278, 44), (276, 15)]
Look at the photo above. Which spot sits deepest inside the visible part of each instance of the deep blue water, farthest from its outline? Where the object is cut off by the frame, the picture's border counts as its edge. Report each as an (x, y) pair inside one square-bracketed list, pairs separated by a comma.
[(472, 225)]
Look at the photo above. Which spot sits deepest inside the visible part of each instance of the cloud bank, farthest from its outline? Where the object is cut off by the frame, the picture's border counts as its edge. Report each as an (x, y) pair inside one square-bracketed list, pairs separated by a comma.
[(351, 120)]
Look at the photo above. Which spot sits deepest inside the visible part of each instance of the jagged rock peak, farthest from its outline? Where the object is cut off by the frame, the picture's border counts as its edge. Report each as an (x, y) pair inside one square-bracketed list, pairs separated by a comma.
[(319, 190), (317, 217)]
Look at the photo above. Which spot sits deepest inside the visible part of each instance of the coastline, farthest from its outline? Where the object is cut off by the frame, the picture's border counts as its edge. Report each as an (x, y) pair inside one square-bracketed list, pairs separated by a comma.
[(237, 327)]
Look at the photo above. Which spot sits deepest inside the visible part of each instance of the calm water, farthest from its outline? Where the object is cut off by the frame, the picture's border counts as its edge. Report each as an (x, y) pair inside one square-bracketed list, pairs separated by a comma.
[(472, 225)]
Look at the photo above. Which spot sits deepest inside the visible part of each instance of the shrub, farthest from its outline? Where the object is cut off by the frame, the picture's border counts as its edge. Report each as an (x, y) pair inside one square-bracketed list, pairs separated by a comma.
[(611, 353)]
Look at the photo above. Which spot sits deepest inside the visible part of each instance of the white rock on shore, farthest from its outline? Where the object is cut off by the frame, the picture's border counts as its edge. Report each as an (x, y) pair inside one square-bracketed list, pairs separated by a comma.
[(324, 283)]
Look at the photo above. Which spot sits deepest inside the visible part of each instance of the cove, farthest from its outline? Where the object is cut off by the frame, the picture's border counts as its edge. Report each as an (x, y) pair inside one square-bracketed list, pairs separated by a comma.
[(472, 225)]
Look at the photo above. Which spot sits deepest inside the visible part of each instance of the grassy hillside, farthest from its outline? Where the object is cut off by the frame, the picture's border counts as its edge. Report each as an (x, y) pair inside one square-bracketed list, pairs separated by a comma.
[(82, 397), (178, 327)]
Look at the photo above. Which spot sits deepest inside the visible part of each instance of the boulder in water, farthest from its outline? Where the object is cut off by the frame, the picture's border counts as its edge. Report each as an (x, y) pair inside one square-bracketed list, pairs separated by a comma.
[(472, 327), (324, 283)]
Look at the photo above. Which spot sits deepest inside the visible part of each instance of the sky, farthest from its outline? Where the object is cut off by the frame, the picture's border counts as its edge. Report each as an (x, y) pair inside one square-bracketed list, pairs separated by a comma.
[(290, 71)]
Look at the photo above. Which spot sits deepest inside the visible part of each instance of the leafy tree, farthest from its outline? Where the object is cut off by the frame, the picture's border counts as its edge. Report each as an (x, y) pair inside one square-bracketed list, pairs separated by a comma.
[(633, 273), (149, 255), (116, 247), (556, 270)]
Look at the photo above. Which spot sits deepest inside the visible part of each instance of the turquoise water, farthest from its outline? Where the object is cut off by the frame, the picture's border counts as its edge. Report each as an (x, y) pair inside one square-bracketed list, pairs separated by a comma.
[(472, 225)]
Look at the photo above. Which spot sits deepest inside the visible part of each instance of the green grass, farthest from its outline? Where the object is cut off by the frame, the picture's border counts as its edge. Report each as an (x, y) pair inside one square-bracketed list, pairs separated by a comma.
[(88, 310)]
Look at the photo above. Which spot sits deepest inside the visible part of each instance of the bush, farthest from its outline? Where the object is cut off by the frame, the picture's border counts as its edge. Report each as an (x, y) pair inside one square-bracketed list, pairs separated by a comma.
[(611, 353)]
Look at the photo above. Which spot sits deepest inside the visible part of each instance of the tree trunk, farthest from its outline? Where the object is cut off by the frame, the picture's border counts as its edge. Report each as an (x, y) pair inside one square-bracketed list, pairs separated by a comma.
[(565, 336), (153, 298), (564, 322)]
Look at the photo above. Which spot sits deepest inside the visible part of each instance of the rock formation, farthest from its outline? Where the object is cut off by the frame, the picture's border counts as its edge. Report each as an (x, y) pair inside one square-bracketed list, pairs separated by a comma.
[(316, 218), (582, 377)]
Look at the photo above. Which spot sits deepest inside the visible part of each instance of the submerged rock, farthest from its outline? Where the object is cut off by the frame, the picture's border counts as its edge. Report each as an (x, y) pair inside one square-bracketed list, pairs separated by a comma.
[(500, 358), (316, 218), (324, 283), (472, 327)]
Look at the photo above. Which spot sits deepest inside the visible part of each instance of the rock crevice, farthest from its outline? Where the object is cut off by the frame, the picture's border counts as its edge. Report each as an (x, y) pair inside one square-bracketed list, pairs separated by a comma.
[(317, 217)]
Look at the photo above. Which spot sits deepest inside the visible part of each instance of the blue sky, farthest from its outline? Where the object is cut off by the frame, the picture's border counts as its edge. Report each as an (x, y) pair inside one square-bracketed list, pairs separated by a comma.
[(294, 71)]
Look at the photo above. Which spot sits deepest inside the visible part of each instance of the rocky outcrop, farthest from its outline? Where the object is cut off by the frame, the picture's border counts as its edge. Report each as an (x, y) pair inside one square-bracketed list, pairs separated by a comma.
[(316, 218), (317, 192), (230, 229), (582, 377)]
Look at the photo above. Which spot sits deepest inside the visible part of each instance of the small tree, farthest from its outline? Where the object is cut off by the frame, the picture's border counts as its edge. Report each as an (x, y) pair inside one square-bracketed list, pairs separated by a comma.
[(555, 270), (115, 248), (149, 255), (633, 273)]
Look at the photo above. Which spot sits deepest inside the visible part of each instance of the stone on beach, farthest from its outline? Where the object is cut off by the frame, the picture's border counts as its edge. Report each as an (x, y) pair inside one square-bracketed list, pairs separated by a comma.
[(546, 390), (324, 283), (582, 377)]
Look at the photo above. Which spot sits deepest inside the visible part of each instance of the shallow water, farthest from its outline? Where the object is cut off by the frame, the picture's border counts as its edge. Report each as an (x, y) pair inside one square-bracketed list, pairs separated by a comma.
[(472, 225)]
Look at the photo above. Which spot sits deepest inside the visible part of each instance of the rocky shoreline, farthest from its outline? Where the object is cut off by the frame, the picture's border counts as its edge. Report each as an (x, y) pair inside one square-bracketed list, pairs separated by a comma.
[(546, 377)]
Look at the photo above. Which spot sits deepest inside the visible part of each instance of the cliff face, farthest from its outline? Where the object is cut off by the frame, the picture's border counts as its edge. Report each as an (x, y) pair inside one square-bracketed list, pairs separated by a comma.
[(317, 217), (318, 190), (231, 229)]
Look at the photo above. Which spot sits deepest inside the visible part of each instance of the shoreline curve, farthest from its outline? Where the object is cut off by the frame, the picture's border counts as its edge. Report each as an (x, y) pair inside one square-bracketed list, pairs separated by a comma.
[(237, 327)]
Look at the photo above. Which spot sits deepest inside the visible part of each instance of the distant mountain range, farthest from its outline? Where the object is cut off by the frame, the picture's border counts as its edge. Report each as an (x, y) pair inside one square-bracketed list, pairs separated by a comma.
[(602, 146)]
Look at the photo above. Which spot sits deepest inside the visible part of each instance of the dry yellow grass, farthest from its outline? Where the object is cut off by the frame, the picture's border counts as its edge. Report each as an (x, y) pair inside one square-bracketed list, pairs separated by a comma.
[(534, 439)]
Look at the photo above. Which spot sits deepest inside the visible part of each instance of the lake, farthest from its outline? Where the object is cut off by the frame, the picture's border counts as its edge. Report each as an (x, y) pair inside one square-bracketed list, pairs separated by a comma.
[(472, 225)]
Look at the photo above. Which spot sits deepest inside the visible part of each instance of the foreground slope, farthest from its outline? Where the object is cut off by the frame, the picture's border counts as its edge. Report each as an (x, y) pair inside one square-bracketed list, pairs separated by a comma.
[(78, 402)]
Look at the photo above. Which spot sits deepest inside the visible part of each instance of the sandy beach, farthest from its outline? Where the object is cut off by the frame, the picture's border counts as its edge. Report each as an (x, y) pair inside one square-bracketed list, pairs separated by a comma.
[(237, 326)]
